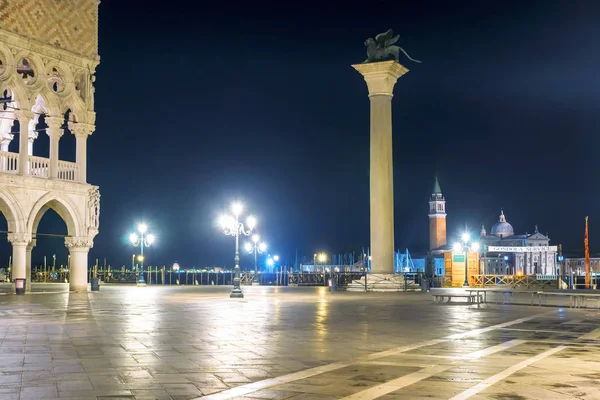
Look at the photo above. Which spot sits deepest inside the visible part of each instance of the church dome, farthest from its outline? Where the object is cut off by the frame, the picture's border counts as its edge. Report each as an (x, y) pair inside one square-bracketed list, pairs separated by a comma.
[(502, 228)]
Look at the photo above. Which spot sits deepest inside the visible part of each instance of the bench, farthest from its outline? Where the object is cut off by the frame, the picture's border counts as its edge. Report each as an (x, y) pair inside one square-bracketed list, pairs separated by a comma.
[(581, 298), (507, 293), (573, 298), (471, 298)]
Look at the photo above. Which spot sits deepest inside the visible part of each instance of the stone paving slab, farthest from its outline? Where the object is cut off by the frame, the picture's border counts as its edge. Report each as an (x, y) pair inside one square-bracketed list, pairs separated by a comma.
[(298, 343)]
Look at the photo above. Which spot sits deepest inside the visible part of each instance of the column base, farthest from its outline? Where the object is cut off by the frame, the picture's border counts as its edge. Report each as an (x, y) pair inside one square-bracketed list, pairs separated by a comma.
[(383, 283), (236, 293), (141, 284), (78, 288)]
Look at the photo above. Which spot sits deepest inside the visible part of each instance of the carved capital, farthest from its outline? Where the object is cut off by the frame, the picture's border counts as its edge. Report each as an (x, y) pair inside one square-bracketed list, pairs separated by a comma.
[(7, 120), (31, 244), (79, 243), (381, 76), (7, 138), (24, 116), (55, 126), (81, 129), (19, 239)]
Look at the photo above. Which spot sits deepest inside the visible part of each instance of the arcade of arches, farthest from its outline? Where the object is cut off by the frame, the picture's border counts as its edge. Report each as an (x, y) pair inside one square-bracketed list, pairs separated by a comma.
[(46, 86)]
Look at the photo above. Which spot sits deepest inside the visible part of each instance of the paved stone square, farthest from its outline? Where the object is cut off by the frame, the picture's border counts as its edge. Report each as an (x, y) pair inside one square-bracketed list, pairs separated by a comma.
[(161, 342)]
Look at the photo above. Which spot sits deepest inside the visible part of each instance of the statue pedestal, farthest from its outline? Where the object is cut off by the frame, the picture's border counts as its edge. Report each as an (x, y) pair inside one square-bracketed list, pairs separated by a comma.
[(383, 283), (381, 78)]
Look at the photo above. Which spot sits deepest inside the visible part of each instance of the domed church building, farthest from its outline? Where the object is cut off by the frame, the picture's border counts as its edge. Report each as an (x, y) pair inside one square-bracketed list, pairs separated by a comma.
[(505, 253)]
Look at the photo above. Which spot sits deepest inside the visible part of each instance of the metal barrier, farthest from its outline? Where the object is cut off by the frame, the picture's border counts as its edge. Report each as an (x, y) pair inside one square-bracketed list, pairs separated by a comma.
[(516, 281), (163, 276)]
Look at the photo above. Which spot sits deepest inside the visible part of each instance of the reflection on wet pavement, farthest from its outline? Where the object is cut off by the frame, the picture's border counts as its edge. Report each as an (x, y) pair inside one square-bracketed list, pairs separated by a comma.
[(298, 343)]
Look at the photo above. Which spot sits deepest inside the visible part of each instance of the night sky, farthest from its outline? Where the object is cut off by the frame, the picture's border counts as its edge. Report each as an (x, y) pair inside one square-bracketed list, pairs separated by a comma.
[(197, 107)]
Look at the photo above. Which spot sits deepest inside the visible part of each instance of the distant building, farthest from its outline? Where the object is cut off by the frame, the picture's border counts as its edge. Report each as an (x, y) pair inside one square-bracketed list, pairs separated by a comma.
[(505, 253), (502, 252), (437, 217), (577, 265)]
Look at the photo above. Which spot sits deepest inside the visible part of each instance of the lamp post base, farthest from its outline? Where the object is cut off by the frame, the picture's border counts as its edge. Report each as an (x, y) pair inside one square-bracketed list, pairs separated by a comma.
[(236, 293)]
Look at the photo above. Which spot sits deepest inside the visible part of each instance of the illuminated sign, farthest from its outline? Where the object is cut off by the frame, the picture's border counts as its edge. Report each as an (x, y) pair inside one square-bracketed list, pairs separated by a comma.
[(522, 249), (458, 258)]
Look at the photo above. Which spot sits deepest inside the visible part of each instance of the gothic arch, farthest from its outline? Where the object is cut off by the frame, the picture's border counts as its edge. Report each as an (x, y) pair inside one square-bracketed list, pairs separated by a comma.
[(9, 207), (45, 103), (18, 93), (63, 207), (76, 109)]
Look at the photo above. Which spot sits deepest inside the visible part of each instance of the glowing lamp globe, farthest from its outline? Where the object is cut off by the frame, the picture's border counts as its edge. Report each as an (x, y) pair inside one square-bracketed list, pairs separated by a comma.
[(457, 247), (465, 237), (133, 238), (248, 247), (142, 228), (237, 208)]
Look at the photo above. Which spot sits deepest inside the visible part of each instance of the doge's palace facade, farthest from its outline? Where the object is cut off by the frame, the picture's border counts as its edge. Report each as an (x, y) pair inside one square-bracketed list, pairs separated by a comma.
[(48, 57)]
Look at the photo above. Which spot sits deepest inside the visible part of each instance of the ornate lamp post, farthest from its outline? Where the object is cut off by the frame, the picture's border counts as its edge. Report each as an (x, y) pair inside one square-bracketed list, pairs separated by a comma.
[(256, 248), (176, 269), (465, 246), (233, 227), (143, 240)]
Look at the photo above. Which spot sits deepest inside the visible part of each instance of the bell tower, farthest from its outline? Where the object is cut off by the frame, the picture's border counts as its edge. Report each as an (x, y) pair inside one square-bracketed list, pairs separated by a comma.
[(437, 217)]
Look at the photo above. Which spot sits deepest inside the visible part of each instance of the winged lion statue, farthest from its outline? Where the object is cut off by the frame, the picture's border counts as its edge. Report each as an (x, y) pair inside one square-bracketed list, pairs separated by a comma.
[(382, 48)]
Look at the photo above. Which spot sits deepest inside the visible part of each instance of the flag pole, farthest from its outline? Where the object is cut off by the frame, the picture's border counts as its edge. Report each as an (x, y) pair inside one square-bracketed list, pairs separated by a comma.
[(587, 255)]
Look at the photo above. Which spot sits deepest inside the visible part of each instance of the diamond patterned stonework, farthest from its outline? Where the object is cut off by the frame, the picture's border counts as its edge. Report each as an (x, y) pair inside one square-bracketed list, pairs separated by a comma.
[(67, 24)]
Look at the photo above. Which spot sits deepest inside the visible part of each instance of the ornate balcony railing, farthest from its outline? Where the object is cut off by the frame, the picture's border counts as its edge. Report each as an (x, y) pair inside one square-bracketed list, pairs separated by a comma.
[(67, 171), (9, 162), (38, 166)]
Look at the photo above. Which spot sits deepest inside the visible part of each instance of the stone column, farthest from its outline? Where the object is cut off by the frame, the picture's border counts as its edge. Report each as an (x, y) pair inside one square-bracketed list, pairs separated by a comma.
[(55, 132), (81, 132), (33, 134), (381, 78), (6, 123), (19, 259), (30, 247), (78, 249), (24, 117)]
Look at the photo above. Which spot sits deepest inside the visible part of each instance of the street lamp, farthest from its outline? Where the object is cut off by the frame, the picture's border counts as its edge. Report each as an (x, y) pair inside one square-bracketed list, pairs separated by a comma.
[(465, 246), (322, 259), (256, 248), (145, 239), (233, 227)]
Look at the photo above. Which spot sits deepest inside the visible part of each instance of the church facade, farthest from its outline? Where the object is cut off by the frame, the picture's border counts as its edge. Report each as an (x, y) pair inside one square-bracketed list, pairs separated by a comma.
[(507, 253)]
